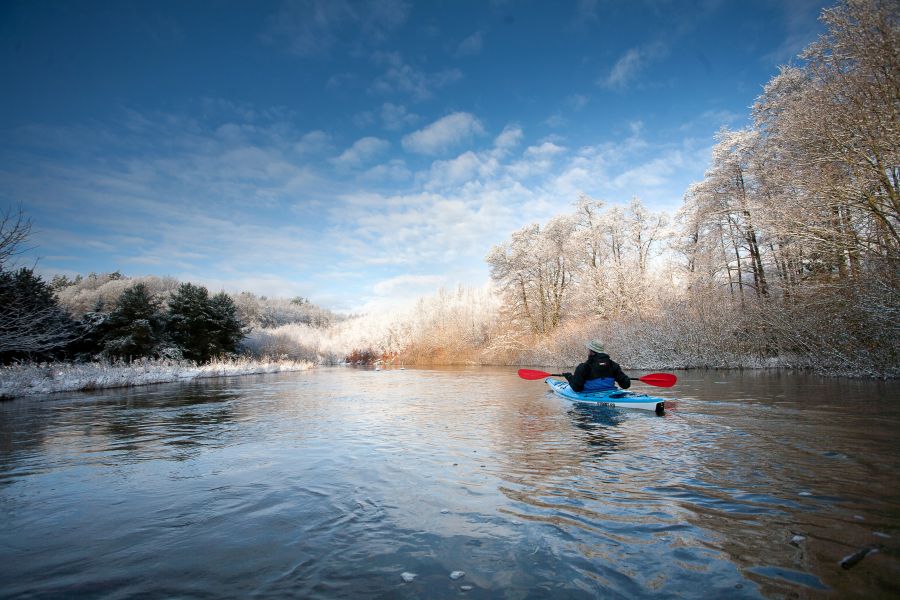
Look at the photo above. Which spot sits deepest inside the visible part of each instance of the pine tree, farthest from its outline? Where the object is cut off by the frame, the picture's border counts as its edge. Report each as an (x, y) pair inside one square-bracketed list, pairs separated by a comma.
[(227, 329), (136, 328), (92, 330), (191, 323), (32, 325)]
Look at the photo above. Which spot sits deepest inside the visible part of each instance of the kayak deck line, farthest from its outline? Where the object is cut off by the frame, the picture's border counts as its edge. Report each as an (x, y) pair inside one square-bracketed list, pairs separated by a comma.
[(608, 398)]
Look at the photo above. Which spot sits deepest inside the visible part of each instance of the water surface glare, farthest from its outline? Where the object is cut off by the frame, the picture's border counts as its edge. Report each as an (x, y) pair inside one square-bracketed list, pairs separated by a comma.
[(352, 483)]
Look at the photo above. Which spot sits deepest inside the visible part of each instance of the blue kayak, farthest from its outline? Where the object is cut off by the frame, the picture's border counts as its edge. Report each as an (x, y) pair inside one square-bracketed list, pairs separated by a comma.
[(608, 398)]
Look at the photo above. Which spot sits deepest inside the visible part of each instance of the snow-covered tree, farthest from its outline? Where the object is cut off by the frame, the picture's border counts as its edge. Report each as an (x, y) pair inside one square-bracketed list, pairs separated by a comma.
[(32, 325), (14, 232), (833, 125), (534, 270)]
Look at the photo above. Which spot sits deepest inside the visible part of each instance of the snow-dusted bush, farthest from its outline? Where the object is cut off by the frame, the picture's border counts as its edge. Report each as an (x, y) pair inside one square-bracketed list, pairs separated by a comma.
[(31, 379)]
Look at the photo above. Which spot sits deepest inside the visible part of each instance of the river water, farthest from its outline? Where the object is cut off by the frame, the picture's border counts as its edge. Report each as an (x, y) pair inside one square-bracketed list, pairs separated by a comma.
[(351, 483)]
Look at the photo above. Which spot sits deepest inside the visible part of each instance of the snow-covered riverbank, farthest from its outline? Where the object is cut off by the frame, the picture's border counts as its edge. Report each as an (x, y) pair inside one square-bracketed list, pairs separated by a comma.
[(32, 379)]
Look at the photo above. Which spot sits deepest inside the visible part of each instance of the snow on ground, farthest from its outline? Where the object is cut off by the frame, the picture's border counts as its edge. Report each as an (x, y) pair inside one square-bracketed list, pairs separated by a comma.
[(44, 378)]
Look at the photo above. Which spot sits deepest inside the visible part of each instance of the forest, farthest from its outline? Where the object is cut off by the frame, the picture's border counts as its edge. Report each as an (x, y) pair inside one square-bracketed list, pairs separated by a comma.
[(785, 255)]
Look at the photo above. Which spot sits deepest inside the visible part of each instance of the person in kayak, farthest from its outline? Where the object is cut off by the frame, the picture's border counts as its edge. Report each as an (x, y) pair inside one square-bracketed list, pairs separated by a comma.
[(598, 373)]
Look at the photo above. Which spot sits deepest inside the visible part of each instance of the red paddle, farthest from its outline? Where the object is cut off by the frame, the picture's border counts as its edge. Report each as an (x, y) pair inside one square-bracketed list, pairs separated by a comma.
[(657, 379)]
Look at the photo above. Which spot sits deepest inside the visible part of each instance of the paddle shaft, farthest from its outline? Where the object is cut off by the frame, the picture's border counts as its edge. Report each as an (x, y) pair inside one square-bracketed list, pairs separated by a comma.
[(657, 379), (561, 375)]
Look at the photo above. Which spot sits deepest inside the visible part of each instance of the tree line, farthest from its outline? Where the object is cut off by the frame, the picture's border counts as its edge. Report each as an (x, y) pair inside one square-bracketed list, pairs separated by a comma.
[(192, 325), (788, 250)]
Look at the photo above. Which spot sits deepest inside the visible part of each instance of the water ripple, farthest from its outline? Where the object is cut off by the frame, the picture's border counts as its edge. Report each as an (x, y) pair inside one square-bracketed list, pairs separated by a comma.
[(333, 483)]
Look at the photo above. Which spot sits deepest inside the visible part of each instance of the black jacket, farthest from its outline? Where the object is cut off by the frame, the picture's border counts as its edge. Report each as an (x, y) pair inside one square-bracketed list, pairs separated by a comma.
[(597, 365)]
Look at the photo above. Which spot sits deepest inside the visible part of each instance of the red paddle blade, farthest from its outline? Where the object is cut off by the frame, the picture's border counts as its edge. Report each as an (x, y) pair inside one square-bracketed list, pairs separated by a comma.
[(659, 379), (532, 374)]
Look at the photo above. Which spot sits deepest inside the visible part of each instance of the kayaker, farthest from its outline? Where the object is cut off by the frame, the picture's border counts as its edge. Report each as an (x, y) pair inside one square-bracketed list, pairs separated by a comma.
[(598, 372)]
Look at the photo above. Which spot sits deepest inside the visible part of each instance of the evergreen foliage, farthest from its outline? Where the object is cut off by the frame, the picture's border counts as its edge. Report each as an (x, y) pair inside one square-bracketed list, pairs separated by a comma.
[(189, 321), (32, 325), (91, 328), (136, 328), (201, 326), (227, 329)]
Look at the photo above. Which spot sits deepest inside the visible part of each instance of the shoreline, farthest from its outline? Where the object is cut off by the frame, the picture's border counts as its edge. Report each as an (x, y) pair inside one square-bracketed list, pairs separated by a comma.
[(26, 380)]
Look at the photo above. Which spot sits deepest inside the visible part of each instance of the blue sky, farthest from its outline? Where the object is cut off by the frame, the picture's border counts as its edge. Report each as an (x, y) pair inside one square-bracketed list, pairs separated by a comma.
[(358, 153)]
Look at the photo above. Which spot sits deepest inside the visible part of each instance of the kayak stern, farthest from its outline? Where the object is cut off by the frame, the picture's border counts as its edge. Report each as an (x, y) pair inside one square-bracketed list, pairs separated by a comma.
[(609, 398)]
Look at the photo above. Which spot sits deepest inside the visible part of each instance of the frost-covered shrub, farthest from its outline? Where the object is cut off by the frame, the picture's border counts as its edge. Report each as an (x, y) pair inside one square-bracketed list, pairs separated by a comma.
[(86, 294), (34, 378), (260, 311), (283, 342)]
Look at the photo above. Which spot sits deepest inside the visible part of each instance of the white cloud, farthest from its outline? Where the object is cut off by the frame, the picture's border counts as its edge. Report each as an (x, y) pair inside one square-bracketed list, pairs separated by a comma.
[(544, 150), (394, 170), (629, 66), (313, 142), (625, 69), (586, 12), (415, 229), (443, 134), (362, 151), (396, 116), (401, 77), (577, 102), (465, 167), (536, 162), (339, 81), (711, 120), (556, 120), (510, 137), (407, 285), (471, 46), (801, 27), (311, 28), (364, 119), (205, 187), (383, 16)]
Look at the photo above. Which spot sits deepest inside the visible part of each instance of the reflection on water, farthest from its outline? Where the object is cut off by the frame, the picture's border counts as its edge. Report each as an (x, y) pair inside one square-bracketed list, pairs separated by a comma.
[(334, 482)]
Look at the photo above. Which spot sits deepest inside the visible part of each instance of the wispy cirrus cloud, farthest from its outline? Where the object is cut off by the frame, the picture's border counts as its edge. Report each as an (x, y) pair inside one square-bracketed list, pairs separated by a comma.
[(470, 46), (402, 77), (585, 14), (312, 28), (411, 285), (396, 116), (577, 102), (629, 66), (800, 28)]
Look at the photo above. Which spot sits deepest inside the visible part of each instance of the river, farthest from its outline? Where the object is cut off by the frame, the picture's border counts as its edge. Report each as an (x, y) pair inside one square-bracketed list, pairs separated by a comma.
[(354, 483)]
